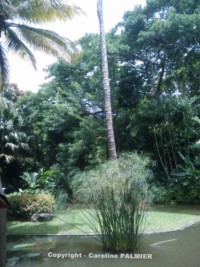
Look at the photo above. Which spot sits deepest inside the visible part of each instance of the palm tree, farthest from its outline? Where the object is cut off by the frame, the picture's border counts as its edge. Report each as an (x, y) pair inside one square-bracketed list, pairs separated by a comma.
[(18, 35), (106, 85)]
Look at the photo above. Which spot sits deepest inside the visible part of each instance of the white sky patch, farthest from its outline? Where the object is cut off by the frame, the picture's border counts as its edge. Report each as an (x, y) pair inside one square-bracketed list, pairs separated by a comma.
[(27, 78)]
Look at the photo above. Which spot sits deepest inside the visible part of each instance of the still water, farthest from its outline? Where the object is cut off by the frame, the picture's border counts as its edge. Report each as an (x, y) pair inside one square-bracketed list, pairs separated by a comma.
[(172, 249)]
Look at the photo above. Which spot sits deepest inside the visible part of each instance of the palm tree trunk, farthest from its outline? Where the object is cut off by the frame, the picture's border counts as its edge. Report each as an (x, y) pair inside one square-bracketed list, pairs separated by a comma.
[(106, 85)]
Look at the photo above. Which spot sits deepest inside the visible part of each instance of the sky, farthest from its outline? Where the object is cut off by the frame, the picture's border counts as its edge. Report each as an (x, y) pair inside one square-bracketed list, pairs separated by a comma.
[(28, 79)]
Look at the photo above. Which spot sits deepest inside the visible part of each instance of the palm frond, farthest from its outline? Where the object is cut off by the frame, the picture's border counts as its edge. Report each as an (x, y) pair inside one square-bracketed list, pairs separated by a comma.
[(40, 11), (8, 158), (11, 146), (4, 68), (16, 45), (6, 9), (46, 40), (19, 37)]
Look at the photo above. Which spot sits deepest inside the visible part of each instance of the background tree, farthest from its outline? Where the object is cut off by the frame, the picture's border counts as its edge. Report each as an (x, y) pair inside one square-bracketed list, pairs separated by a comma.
[(155, 103), (15, 155), (65, 118), (162, 45)]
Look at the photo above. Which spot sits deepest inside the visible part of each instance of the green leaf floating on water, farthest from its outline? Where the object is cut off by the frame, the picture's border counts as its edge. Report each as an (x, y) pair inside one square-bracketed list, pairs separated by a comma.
[(15, 259), (24, 246), (33, 254)]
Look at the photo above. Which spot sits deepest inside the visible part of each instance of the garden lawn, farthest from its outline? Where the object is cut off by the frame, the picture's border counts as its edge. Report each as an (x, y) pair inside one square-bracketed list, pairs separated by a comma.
[(73, 221)]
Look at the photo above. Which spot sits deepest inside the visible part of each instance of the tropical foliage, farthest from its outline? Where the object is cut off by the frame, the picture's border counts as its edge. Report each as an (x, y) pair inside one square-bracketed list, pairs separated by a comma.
[(14, 148), (18, 35), (153, 61)]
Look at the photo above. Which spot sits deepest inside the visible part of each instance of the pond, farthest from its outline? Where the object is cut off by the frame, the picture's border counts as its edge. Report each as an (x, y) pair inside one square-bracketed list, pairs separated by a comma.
[(174, 249), (170, 249)]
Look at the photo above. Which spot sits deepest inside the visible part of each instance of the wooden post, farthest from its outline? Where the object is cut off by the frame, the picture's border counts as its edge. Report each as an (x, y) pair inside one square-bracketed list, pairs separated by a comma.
[(3, 242), (3, 221)]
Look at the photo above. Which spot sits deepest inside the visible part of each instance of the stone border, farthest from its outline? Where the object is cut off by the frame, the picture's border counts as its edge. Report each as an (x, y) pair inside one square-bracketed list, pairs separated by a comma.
[(180, 228), (82, 233)]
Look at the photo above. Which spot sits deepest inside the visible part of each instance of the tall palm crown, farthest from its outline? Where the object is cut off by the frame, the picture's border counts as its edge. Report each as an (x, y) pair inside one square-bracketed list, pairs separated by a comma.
[(18, 35)]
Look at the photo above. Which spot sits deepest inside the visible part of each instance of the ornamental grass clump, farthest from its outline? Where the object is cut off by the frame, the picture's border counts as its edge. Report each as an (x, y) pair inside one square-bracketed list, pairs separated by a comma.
[(118, 191)]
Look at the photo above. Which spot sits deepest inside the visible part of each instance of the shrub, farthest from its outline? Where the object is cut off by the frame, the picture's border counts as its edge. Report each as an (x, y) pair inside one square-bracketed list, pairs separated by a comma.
[(176, 193), (183, 194), (118, 191), (23, 206)]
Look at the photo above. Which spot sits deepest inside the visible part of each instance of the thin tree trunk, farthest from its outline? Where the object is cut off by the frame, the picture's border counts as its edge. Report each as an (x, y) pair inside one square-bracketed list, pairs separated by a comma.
[(106, 85)]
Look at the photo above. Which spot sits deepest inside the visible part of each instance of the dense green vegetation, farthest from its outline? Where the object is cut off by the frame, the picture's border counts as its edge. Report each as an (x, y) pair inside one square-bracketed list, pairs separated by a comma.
[(153, 58), (25, 205)]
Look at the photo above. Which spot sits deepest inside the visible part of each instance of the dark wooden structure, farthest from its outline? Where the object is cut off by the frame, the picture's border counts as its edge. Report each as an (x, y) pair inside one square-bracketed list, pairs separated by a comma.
[(4, 205)]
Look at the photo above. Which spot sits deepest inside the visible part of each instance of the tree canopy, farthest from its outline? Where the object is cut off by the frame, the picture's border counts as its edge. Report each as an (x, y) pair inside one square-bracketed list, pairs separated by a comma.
[(153, 60)]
